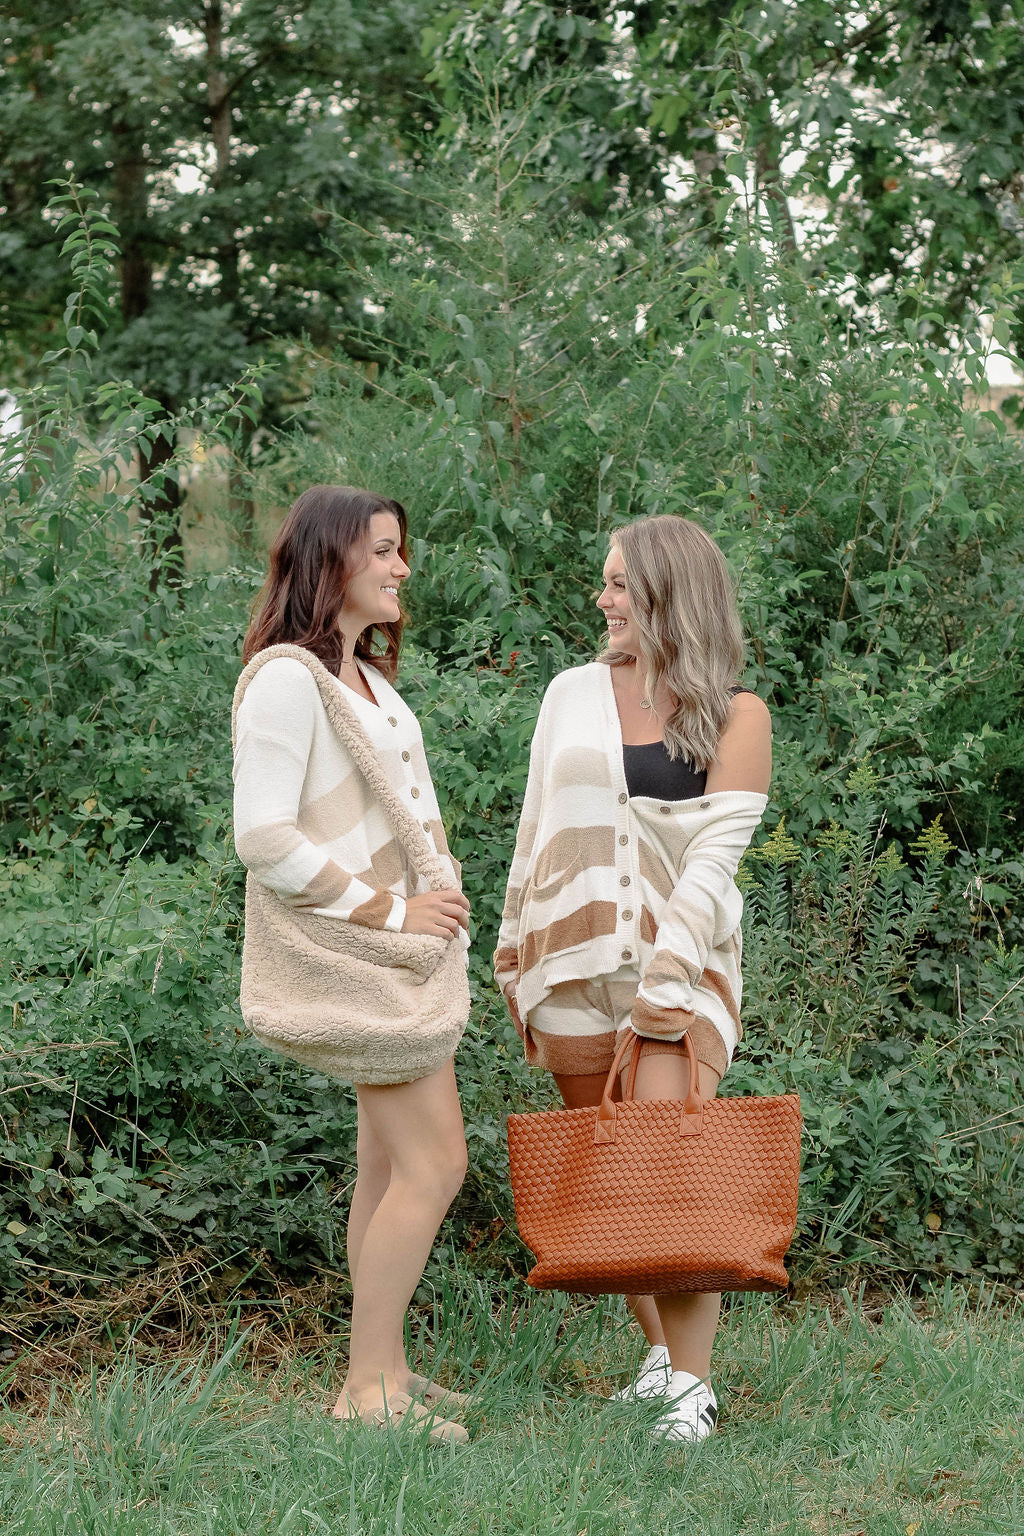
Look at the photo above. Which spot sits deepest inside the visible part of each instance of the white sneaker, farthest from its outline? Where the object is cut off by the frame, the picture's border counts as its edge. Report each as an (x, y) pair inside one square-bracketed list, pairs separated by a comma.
[(690, 1409), (652, 1380)]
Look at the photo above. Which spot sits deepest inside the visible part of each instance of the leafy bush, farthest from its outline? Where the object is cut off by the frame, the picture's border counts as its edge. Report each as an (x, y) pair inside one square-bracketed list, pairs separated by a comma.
[(539, 382), (876, 559), (868, 994)]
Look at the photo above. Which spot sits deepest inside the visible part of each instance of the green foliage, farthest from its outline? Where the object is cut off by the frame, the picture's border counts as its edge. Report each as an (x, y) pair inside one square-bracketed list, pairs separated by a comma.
[(98, 740), (213, 134), (542, 382), (867, 993), (539, 384), (879, 138)]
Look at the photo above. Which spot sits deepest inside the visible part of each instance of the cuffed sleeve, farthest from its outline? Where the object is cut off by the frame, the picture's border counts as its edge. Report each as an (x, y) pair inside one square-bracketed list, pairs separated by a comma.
[(396, 919), (704, 904)]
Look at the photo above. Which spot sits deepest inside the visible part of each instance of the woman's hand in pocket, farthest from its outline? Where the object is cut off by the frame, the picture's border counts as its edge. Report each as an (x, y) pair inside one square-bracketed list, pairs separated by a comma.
[(441, 913)]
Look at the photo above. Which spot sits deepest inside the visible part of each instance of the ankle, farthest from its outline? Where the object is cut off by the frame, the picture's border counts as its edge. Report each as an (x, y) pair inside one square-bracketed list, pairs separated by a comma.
[(372, 1390)]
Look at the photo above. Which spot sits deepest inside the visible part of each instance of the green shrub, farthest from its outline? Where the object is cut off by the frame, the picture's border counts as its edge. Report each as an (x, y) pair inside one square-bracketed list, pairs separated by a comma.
[(135, 1117), (540, 381)]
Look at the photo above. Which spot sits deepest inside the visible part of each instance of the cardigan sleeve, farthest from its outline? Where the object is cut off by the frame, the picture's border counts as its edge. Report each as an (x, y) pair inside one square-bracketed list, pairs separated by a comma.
[(506, 955), (275, 730), (704, 906)]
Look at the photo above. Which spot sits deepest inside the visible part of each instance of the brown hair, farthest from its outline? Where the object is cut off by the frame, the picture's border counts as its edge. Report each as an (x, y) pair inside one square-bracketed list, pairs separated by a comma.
[(684, 608), (318, 548)]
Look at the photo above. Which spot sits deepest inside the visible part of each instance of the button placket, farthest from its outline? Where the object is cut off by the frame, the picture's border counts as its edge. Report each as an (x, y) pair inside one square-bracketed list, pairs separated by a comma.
[(628, 871)]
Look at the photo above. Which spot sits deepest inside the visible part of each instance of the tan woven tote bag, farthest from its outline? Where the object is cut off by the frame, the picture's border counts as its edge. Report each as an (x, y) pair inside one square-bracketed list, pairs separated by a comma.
[(657, 1196), (361, 1004)]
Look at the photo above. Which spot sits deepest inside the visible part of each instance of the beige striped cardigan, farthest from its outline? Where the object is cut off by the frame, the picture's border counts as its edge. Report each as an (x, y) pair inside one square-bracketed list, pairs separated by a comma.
[(306, 822), (599, 880)]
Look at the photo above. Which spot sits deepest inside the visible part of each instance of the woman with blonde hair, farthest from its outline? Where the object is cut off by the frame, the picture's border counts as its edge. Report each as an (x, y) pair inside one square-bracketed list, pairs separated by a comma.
[(649, 772)]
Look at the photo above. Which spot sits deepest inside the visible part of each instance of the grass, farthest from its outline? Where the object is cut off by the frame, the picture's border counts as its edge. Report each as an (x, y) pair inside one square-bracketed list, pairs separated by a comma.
[(838, 1418)]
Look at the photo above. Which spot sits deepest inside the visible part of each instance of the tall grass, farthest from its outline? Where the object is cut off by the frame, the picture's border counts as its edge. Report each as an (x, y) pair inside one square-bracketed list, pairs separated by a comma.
[(891, 1421)]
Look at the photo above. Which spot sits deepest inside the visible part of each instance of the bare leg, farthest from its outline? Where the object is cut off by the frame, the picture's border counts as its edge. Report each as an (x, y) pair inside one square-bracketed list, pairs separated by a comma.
[(417, 1129), (373, 1175), (689, 1320)]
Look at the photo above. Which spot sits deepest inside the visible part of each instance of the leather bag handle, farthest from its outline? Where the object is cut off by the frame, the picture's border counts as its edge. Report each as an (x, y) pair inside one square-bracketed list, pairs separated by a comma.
[(691, 1115), (353, 737)]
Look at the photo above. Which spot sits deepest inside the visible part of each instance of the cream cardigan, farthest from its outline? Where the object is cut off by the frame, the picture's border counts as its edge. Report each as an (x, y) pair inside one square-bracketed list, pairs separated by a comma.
[(307, 824), (599, 880)]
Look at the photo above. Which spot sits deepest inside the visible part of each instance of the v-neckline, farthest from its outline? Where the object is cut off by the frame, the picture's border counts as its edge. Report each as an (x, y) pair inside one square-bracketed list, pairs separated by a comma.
[(659, 740), (373, 701)]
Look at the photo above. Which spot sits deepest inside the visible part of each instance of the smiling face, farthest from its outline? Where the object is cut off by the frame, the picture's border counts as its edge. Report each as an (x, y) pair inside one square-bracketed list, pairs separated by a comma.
[(613, 601), (371, 592)]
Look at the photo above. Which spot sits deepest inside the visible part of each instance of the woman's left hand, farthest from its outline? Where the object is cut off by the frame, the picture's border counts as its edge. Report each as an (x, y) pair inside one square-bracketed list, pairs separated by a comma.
[(440, 913)]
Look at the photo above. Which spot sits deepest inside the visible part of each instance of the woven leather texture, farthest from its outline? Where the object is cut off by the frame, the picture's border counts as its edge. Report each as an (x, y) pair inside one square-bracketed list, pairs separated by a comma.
[(655, 1211)]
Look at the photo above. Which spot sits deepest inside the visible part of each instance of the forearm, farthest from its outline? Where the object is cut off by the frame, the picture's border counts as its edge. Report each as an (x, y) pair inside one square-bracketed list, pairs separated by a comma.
[(704, 907)]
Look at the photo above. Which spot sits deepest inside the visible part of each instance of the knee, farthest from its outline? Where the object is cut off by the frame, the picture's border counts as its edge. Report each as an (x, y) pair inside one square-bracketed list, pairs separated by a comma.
[(438, 1173), (460, 1167), (452, 1167)]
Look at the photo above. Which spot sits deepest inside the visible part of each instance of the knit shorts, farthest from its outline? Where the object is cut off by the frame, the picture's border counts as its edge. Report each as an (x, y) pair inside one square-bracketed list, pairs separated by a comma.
[(574, 1031)]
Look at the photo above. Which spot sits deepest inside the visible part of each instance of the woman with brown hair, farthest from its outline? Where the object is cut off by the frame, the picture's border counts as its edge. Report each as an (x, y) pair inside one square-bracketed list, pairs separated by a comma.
[(649, 772), (322, 648)]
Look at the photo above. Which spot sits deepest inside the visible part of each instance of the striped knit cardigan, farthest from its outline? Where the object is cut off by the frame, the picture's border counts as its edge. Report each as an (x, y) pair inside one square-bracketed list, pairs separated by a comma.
[(599, 880), (307, 824)]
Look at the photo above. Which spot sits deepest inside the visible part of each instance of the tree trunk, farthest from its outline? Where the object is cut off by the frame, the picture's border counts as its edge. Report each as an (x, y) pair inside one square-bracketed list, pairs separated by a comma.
[(131, 211), (241, 508), (218, 104), (160, 514)]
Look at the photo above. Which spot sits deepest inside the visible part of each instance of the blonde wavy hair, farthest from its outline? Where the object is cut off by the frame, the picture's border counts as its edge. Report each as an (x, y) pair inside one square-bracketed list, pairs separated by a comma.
[(684, 610)]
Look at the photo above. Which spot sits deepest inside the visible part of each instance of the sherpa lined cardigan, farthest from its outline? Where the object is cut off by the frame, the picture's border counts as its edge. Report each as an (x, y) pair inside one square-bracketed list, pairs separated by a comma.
[(306, 822), (599, 880)]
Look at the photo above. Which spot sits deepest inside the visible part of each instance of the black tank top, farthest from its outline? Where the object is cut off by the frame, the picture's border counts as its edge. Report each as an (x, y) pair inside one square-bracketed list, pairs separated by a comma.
[(650, 771)]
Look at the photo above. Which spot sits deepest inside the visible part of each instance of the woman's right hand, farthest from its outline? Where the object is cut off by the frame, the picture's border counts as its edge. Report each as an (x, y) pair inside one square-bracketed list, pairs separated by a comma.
[(441, 913)]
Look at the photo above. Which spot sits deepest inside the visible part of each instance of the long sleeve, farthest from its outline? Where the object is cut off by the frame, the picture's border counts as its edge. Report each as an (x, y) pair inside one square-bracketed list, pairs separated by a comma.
[(506, 955), (276, 726), (704, 905)]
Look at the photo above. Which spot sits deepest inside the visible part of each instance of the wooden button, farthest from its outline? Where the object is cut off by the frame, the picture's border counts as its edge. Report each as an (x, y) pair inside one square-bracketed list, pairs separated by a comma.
[(624, 880), (392, 720), (414, 792), (426, 826), (705, 805), (622, 799), (627, 954), (406, 757), (666, 810), (627, 916), (623, 838)]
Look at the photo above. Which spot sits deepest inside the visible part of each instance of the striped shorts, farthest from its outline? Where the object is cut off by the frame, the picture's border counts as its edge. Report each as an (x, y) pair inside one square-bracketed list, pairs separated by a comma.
[(574, 1031)]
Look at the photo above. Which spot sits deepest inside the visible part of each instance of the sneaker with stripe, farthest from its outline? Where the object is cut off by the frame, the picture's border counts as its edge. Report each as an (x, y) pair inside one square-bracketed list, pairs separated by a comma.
[(652, 1379), (690, 1409)]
